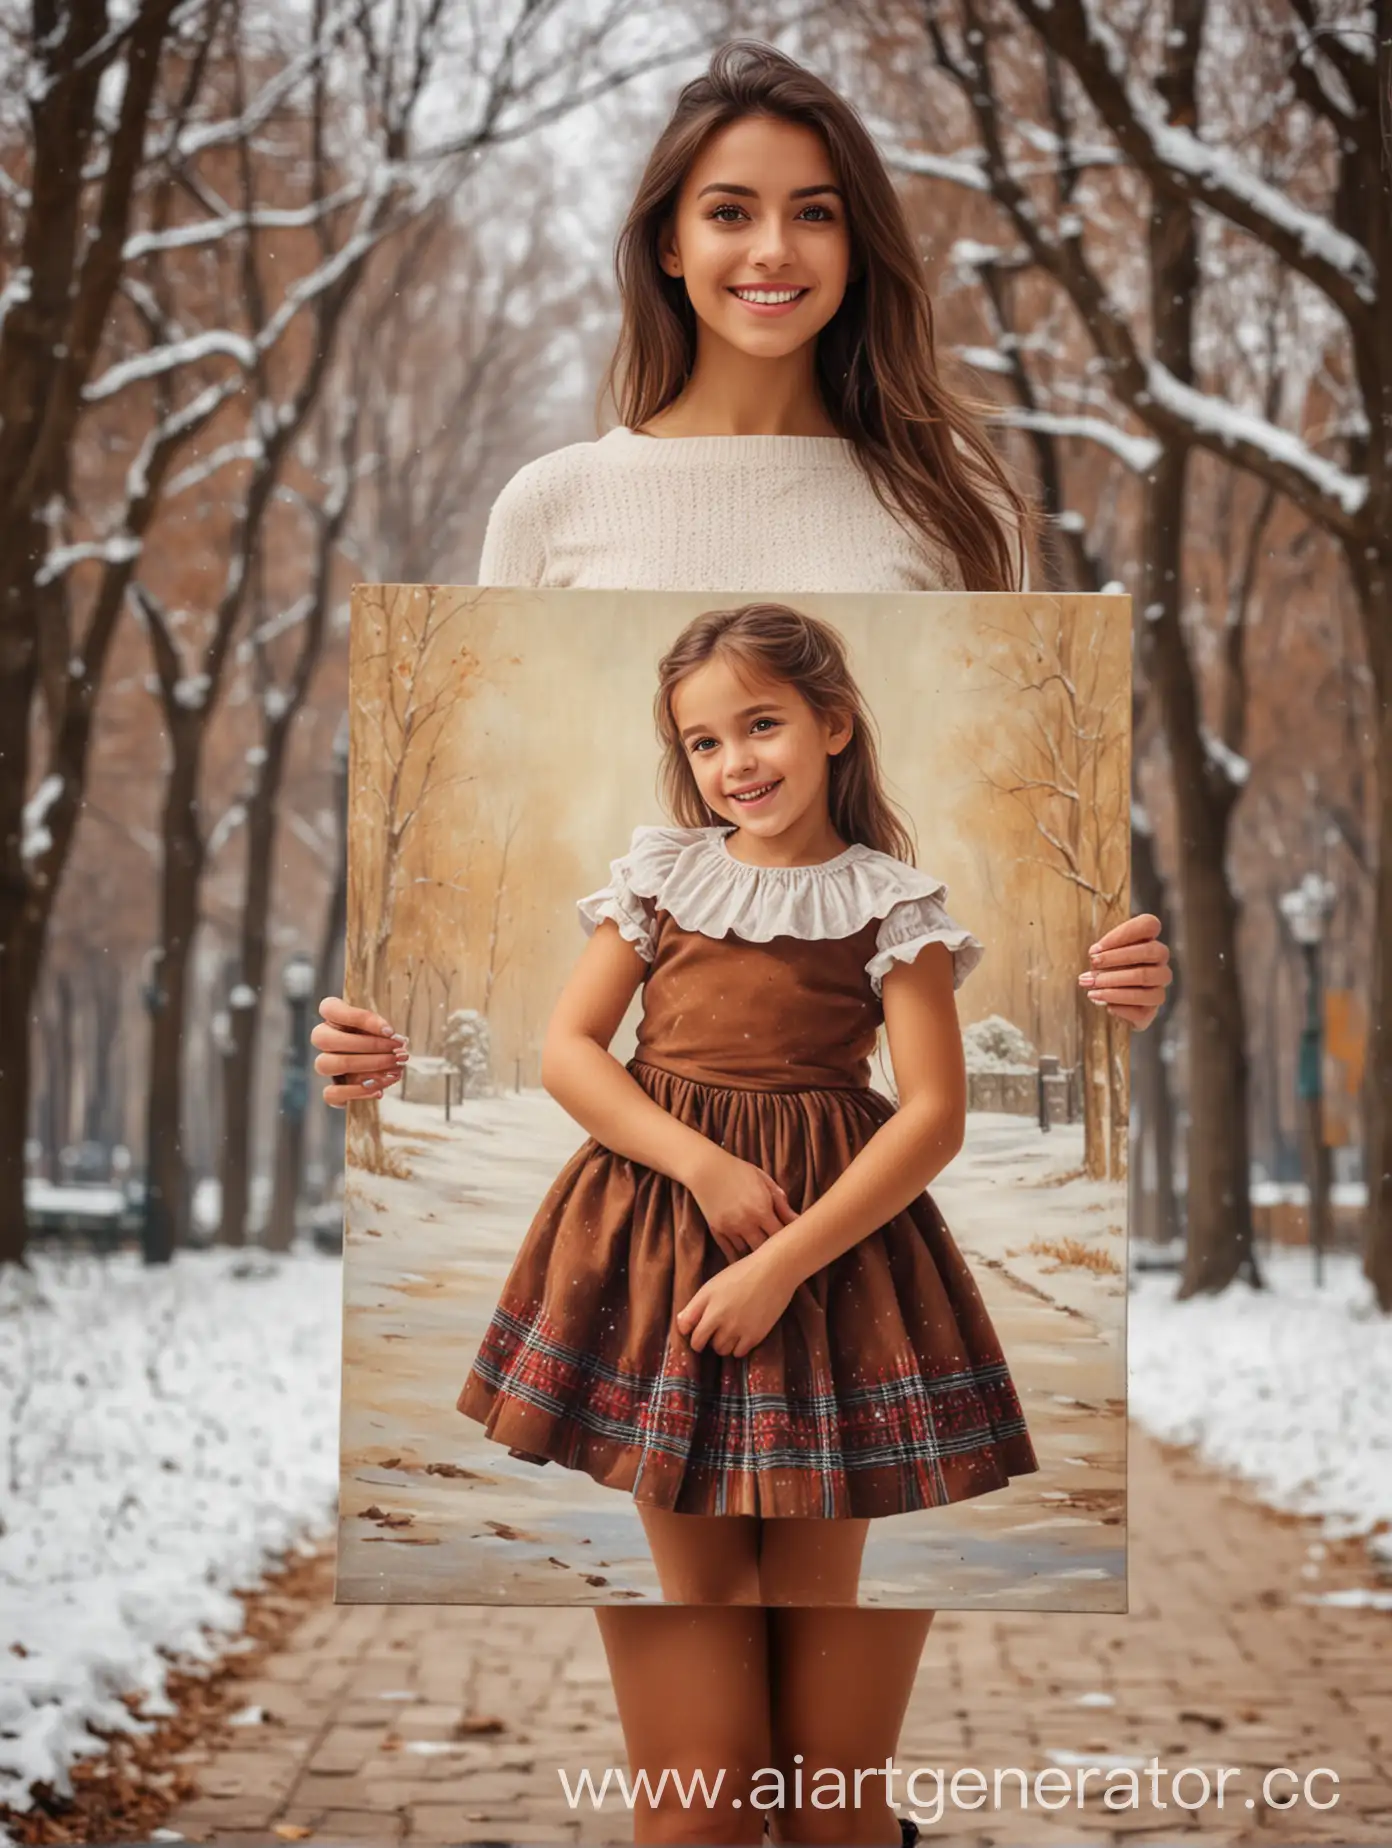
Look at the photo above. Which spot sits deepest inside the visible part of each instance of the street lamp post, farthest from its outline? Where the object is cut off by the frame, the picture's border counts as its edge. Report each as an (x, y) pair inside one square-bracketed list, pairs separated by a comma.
[(1306, 910), (156, 1222), (297, 979)]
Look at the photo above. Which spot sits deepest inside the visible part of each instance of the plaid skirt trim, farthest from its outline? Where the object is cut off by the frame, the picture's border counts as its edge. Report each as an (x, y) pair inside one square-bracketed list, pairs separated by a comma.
[(909, 1423)]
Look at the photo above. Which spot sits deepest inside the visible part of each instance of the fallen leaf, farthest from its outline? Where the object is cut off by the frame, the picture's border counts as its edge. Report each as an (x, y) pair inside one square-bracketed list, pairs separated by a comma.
[(471, 1723), (504, 1532), (292, 1832)]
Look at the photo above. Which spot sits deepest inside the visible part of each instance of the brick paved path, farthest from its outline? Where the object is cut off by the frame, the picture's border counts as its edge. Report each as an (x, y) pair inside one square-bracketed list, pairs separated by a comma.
[(1219, 1663)]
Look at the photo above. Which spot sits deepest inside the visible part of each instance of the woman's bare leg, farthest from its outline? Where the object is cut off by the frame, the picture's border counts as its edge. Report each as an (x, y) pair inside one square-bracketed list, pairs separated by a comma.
[(693, 1696), (840, 1682), (704, 1558), (810, 1562)]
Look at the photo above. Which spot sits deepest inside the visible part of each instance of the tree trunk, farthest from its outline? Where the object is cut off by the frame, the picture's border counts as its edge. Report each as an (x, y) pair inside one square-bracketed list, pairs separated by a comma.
[(1377, 1070), (1219, 1246), (1097, 1103), (1119, 1038), (166, 1173), (18, 943), (239, 1069), (1153, 1216)]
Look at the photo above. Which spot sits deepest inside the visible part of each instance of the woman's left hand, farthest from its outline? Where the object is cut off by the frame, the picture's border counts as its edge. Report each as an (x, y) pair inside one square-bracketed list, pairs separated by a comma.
[(1130, 971), (736, 1308)]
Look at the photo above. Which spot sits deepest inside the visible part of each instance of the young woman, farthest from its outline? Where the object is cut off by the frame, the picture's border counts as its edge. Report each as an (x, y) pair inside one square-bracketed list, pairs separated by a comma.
[(783, 429)]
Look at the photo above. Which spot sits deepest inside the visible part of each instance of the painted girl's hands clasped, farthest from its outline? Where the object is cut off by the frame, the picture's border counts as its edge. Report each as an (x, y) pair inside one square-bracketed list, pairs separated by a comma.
[(740, 1203), (736, 1308), (743, 1208)]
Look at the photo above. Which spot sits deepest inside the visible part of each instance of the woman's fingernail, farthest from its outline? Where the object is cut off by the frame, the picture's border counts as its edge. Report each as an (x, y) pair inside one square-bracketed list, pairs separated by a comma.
[(1086, 981), (400, 1038), (1098, 1000), (368, 1083), (1094, 949)]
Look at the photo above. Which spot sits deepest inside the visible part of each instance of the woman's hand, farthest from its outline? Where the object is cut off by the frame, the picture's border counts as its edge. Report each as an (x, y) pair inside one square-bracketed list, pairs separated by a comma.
[(1130, 971), (736, 1308), (358, 1050), (739, 1202)]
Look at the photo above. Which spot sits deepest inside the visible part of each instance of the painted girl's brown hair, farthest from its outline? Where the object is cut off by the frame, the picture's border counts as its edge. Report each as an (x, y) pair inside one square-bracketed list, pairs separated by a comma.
[(782, 644), (926, 458)]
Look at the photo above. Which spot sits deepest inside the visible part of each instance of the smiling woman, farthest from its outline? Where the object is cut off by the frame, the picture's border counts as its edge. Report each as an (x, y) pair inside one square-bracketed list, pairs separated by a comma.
[(744, 265)]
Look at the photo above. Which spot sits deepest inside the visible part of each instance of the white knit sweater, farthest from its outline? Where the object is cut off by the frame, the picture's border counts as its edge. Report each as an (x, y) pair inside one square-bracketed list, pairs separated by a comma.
[(710, 513)]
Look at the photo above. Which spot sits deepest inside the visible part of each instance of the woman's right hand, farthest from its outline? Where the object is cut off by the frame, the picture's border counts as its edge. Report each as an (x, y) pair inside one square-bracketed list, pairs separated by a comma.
[(358, 1050), (739, 1202)]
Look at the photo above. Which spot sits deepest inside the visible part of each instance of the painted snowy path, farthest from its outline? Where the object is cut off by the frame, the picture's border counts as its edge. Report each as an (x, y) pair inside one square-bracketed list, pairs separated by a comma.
[(432, 1512)]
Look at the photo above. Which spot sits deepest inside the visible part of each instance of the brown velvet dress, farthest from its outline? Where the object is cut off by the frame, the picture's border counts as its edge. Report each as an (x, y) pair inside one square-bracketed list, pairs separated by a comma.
[(882, 1388)]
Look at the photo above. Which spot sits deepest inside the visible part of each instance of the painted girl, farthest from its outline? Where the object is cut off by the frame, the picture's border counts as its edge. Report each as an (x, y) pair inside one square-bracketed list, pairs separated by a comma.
[(782, 428), (736, 1300)]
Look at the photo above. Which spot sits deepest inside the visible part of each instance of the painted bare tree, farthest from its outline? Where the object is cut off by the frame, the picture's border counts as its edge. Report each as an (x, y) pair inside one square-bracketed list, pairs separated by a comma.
[(1060, 765), (411, 680)]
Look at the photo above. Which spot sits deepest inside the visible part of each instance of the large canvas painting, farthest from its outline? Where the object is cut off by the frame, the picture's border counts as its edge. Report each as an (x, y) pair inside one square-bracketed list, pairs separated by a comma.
[(503, 752)]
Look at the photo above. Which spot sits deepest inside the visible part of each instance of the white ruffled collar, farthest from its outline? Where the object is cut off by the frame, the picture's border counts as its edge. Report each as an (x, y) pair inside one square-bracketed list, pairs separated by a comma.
[(692, 875)]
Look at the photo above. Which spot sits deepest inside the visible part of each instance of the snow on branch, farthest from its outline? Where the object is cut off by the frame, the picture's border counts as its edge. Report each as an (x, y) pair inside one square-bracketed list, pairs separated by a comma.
[(1231, 764), (1222, 177), (264, 218), (250, 449), (1139, 453), (985, 359), (1215, 417), (279, 624), (15, 291), (1201, 171), (964, 169), (161, 359), (120, 549), (235, 129), (35, 839)]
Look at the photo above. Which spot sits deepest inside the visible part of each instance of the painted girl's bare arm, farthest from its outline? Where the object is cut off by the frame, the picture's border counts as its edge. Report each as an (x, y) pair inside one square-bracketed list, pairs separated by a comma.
[(588, 1082)]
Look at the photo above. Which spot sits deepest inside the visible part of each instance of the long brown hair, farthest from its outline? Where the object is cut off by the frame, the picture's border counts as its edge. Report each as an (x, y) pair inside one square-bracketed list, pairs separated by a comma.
[(928, 460), (803, 652)]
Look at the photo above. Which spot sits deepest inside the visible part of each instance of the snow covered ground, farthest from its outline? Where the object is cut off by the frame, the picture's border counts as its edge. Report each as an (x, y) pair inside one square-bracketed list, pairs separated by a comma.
[(165, 1436), (1289, 1388)]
